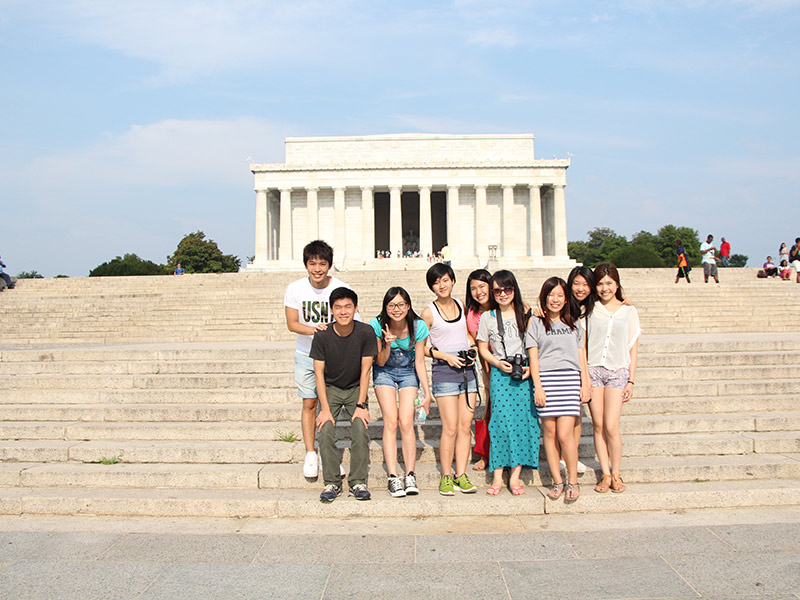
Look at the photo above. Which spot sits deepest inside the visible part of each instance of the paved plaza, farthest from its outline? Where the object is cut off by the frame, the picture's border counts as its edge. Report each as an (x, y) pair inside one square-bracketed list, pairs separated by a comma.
[(736, 553)]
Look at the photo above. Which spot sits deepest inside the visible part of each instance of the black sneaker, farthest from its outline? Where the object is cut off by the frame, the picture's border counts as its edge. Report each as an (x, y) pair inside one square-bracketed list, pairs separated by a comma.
[(360, 491), (411, 484), (396, 487), (330, 493)]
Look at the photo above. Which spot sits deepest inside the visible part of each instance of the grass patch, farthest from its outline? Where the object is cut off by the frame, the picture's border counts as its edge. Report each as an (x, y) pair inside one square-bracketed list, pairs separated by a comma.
[(287, 436), (110, 461)]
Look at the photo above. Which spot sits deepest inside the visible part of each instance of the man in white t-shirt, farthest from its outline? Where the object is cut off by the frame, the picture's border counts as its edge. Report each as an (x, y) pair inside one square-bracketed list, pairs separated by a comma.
[(708, 252), (307, 311)]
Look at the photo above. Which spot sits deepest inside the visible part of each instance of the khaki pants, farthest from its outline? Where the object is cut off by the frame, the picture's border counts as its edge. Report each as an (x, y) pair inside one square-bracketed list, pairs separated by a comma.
[(339, 399)]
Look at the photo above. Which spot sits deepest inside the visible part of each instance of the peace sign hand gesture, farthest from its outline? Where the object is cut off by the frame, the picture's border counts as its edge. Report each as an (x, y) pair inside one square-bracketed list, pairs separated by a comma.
[(388, 336)]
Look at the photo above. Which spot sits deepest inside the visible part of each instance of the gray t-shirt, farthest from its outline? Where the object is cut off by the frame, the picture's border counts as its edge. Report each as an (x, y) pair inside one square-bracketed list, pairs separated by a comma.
[(558, 348), (487, 332)]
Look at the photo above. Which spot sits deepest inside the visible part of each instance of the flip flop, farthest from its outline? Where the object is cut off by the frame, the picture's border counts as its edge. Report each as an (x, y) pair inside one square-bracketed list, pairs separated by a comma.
[(518, 491), (475, 467), (493, 491)]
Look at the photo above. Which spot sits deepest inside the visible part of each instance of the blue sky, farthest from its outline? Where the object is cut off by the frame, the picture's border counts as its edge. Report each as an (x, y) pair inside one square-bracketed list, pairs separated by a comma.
[(125, 125)]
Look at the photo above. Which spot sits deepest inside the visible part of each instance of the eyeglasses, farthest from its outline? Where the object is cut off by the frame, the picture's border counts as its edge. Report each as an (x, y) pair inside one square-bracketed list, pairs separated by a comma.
[(397, 306), (499, 291)]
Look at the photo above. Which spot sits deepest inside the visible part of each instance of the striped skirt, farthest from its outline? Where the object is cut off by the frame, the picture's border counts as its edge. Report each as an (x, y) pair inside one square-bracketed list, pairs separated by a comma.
[(562, 391)]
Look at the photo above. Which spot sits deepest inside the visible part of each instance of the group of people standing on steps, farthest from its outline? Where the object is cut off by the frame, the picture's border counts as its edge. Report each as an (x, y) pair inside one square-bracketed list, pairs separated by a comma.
[(577, 346)]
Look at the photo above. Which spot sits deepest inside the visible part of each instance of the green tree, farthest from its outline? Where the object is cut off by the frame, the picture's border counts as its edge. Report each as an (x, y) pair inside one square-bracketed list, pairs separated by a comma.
[(29, 275), (646, 239), (668, 235), (602, 243), (196, 254), (130, 264), (636, 255), (738, 260)]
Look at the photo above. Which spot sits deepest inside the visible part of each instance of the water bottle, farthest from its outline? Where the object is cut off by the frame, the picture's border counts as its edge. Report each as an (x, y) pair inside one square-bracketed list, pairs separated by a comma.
[(420, 416)]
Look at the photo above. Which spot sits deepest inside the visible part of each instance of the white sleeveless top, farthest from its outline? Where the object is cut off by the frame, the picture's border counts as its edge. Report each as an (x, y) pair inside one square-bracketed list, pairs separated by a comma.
[(449, 336)]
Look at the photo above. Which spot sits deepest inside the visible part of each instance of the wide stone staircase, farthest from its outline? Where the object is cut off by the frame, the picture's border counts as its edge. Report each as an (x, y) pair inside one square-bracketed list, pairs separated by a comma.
[(174, 396)]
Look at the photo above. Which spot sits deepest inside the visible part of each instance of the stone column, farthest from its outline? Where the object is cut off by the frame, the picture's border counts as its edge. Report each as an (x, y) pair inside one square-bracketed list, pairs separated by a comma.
[(312, 214), (560, 220), (367, 224), (536, 221), (339, 233), (285, 238), (425, 228), (453, 229), (261, 227), (481, 248), (395, 221), (509, 227)]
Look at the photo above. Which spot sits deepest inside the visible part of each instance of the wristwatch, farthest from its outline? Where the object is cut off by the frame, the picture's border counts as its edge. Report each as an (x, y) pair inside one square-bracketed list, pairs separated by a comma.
[(365, 406)]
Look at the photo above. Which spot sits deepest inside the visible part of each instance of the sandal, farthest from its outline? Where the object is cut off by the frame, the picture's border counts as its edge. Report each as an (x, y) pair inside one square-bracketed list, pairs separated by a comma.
[(604, 484), (518, 491), (573, 492), (493, 491), (556, 491), (479, 466), (617, 485)]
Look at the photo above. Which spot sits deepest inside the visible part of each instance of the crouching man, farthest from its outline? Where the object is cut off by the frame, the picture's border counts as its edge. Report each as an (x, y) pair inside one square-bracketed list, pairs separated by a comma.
[(343, 355)]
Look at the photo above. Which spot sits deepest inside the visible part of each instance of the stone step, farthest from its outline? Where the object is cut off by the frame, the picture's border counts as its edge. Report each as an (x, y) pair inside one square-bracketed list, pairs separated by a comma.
[(122, 382), (289, 476), (268, 451), (148, 396), (305, 503), (141, 367), (431, 430)]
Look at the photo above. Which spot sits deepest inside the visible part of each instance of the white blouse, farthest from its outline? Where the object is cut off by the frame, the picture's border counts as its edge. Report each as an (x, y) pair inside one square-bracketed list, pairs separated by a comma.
[(612, 335)]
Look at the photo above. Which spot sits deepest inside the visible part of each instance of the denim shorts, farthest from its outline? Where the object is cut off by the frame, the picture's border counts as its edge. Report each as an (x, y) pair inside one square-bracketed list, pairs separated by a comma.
[(396, 377), (304, 375), (446, 388), (606, 378)]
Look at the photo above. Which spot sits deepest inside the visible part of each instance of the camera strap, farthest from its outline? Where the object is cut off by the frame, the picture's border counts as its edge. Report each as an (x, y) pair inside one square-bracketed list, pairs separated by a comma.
[(501, 332)]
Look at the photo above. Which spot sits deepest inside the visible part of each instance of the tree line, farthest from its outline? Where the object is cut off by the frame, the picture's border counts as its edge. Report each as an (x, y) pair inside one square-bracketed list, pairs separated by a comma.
[(644, 249), (194, 253)]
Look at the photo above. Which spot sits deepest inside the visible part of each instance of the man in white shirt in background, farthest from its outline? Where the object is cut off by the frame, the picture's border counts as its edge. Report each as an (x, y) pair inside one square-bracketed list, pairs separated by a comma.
[(708, 252)]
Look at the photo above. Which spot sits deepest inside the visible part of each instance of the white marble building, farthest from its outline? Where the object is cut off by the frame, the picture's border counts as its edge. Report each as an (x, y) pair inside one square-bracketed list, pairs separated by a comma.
[(478, 193)]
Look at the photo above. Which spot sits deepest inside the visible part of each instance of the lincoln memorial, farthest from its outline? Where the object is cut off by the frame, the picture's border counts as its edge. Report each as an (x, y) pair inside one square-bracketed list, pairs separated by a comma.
[(482, 195)]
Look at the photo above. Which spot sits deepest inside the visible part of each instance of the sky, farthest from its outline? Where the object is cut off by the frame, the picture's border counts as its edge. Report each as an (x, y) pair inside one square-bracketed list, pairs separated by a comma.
[(125, 125)]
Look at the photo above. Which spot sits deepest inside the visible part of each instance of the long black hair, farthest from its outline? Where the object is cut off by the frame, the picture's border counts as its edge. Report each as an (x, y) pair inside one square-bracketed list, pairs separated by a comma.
[(505, 278), (411, 317), (588, 302), (609, 269), (569, 308), (470, 304)]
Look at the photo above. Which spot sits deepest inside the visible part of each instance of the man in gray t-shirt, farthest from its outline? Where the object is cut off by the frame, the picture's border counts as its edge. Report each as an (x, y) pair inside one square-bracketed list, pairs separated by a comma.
[(558, 348)]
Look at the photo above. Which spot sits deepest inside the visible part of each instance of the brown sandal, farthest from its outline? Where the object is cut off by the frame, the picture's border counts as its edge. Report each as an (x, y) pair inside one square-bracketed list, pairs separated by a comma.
[(617, 485), (604, 484)]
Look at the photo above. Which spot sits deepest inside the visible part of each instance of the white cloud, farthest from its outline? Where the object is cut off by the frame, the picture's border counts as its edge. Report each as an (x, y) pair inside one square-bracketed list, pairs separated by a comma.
[(504, 38), (167, 153)]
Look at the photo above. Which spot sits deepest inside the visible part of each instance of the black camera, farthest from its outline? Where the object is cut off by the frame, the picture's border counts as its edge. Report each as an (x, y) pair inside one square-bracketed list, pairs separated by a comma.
[(468, 356), (517, 362)]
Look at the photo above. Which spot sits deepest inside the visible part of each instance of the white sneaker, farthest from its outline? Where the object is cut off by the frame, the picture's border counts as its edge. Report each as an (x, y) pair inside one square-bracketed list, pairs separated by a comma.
[(563, 465), (581, 468), (311, 465), (342, 472)]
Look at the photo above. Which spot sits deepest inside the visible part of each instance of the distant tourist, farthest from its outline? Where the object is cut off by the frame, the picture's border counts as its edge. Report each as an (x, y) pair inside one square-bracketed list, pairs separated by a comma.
[(794, 258), (770, 270), (397, 374), (683, 263), (179, 270), (785, 271), (783, 253), (614, 332), (724, 252), (307, 311), (8, 281), (708, 253), (447, 255), (342, 355)]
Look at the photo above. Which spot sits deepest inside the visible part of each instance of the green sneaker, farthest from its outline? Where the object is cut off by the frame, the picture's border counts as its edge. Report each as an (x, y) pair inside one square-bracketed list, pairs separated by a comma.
[(446, 486), (463, 483)]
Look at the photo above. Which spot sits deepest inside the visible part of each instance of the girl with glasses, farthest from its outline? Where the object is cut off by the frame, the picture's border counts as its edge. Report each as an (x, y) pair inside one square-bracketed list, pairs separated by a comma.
[(513, 428), (397, 374), (560, 380)]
